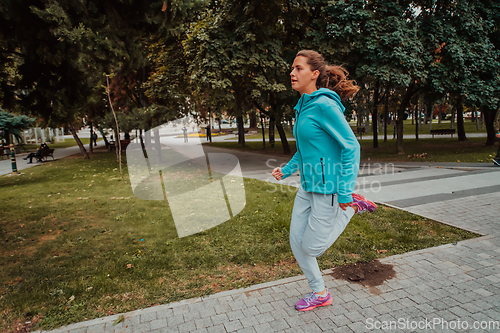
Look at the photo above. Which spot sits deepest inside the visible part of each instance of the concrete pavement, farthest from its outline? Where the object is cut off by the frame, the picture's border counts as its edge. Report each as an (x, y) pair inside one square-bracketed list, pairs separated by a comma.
[(454, 287)]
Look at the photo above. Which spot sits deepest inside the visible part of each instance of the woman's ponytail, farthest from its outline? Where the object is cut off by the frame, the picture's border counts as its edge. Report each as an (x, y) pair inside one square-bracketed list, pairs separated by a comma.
[(338, 82)]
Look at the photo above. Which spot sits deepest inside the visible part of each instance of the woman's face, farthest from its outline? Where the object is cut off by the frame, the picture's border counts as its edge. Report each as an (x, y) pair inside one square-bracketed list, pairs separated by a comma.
[(303, 78)]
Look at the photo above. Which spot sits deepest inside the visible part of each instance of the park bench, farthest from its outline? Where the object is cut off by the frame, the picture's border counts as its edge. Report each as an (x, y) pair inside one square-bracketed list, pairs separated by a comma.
[(442, 131), (359, 130), (123, 144), (223, 131), (45, 153)]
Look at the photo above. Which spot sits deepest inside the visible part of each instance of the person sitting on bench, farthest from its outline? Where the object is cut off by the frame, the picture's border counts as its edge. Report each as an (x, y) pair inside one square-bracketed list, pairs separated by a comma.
[(37, 154)]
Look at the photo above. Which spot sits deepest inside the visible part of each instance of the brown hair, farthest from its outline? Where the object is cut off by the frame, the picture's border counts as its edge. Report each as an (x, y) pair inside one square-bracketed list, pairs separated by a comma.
[(331, 77)]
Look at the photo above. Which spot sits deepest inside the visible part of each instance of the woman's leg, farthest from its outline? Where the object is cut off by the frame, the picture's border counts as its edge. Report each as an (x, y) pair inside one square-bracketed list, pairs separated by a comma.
[(298, 225), (316, 223)]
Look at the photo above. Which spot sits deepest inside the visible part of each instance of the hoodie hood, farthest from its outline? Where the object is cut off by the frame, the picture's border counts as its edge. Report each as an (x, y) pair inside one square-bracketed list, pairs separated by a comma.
[(305, 99)]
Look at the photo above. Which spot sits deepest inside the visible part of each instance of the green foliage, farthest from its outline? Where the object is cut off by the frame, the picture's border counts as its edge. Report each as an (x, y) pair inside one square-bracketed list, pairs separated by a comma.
[(179, 57), (12, 124), (465, 61)]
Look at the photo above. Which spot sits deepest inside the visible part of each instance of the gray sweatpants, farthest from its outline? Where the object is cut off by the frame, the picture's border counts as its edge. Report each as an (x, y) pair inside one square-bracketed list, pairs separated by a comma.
[(317, 222)]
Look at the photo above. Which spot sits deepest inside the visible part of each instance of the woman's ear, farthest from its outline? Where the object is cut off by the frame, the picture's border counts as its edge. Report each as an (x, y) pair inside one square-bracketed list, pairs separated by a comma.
[(315, 75)]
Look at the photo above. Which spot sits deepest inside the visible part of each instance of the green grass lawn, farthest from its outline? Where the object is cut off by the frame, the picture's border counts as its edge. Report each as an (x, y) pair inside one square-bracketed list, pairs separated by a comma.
[(408, 128), (76, 244), (473, 150)]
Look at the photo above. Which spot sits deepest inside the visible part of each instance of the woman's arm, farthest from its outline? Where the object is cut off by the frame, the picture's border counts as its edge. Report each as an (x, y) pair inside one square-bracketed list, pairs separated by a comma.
[(335, 124), (291, 167)]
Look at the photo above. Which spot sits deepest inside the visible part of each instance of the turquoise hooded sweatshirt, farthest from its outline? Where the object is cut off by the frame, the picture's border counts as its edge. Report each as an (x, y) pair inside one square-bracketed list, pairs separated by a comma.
[(327, 150)]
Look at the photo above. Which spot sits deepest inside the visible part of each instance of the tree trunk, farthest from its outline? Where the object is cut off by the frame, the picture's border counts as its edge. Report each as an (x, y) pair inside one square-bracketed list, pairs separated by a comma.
[(441, 106), (79, 142), (263, 131), (431, 116), (453, 113), (118, 146), (7, 138), (253, 119), (284, 141), (376, 93), (241, 130), (460, 120), (271, 130), (91, 148), (106, 142), (144, 150), (426, 116), (117, 140), (421, 119), (417, 118), (489, 119), (386, 115), (401, 112), (477, 120)]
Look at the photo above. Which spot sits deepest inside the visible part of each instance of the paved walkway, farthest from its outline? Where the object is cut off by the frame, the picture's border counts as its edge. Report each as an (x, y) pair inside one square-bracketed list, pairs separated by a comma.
[(443, 289)]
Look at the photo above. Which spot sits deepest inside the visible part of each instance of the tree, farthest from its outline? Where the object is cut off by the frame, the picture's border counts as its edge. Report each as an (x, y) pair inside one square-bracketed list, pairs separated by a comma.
[(380, 40), (465, 61), (69, 45), (11, 124), (241, 52)]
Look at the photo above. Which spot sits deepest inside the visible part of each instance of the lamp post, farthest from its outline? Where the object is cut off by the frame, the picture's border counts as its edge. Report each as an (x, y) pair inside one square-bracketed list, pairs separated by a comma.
[(13, 158)]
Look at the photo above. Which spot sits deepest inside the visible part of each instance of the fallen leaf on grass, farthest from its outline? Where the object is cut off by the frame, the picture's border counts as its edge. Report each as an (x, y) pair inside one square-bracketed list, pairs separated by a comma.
[(119, 320), (129, 266), (381, 251)]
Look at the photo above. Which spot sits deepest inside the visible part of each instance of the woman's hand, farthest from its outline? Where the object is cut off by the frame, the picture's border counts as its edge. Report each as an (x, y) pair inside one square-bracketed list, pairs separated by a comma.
[(344, 206), (277, 173)]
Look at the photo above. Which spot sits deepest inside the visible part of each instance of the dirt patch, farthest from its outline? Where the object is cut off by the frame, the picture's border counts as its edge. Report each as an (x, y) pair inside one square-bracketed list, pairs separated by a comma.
[(22, 326), (370, 274), (235, 276)]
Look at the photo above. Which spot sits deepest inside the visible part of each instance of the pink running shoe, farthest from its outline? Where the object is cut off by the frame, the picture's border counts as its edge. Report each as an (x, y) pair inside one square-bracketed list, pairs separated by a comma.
[(363, 204), (312, 301)]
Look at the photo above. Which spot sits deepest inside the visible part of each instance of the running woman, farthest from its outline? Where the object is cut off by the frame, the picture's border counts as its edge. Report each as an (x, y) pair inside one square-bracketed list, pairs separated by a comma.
[(328, 158)]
